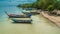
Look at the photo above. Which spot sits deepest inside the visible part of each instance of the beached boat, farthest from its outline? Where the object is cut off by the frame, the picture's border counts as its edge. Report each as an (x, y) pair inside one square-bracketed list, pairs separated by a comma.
[(22, 20), (18, 16), (34, 12)]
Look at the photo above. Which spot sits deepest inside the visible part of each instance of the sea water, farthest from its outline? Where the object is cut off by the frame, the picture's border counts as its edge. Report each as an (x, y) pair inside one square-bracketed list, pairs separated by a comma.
[(10, 6)]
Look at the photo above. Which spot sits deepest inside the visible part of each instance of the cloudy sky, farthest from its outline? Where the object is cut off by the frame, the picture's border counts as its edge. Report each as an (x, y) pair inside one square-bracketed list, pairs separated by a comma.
[(14, 2)]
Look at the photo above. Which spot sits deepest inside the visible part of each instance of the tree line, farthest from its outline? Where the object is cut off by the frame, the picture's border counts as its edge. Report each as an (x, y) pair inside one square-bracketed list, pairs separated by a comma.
[(43, 4)]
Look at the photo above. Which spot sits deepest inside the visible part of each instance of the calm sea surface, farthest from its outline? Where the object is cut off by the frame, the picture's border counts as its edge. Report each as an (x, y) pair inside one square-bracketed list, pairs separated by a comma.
[(11, 7), (10, 10)]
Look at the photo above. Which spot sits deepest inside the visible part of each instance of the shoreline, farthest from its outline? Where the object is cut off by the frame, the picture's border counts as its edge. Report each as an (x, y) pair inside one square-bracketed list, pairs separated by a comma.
[(51, 18)]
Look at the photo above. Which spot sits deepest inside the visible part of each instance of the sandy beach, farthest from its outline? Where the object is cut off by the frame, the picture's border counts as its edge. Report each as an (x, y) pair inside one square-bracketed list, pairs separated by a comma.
[(55, 19)]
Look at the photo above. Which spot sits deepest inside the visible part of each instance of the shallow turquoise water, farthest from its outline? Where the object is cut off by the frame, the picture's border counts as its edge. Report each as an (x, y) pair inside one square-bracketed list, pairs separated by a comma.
[(10, 10), (10, 7), (39, 25)]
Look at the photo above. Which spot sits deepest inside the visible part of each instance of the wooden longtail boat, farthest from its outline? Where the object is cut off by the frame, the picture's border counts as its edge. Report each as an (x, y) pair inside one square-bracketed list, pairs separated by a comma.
[(18, 16), (22, 20), (34, 12)]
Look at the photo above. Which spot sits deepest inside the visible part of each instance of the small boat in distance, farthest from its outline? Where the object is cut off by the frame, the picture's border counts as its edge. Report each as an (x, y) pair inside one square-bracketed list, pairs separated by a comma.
[(18, 16), (34, 12)]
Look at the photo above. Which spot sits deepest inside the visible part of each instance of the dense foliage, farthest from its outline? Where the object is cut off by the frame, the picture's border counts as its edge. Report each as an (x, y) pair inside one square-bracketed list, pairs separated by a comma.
[(43, 4)]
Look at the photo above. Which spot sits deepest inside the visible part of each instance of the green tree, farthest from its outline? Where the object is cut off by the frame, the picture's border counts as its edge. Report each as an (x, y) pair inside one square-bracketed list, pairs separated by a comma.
[(42, 4)]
